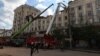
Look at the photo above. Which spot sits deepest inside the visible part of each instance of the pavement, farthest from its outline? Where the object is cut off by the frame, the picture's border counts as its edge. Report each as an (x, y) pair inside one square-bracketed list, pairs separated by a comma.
[(87, 50), (22, 51), (3, 54)]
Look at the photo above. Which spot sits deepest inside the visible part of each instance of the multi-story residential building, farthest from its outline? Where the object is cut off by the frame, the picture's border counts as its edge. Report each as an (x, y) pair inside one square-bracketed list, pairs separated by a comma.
[(5, 33), (62, 19), (41, 24), (60, 22), (84, 11), (2, 32), (8, 33), (20, 18)]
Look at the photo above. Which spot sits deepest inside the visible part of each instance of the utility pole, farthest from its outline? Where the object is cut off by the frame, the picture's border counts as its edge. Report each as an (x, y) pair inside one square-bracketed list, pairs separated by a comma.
[(69, 27), (69, 24)]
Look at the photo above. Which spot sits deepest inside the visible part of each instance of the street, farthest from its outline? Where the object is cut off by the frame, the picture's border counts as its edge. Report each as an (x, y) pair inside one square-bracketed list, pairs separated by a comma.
[(22, 51)]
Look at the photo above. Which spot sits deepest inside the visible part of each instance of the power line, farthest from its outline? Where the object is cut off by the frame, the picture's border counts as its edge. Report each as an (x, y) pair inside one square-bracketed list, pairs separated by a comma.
[(4, 22)]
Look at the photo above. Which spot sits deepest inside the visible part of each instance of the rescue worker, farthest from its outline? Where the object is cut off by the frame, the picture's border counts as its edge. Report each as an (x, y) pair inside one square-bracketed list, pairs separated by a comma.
[(36, 47), (32, 48)]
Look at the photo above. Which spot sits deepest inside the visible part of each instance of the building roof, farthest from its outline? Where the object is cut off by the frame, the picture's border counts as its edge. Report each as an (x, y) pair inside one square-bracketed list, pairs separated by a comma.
[(5, 30), (27, 6)]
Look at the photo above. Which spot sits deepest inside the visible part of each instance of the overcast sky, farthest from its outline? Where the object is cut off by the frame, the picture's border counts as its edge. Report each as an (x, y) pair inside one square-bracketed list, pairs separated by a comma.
[(7, 7)]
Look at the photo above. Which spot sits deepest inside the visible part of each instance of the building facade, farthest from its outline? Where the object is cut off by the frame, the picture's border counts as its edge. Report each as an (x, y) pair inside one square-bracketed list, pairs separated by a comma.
[(62, 19), (39, 25), (2, 32), (5, 33), (84, 11), (20, 18)]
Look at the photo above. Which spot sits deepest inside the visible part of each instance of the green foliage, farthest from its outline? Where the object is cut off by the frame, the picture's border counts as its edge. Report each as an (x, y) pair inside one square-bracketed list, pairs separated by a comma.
[(86, 32), (58, 34)]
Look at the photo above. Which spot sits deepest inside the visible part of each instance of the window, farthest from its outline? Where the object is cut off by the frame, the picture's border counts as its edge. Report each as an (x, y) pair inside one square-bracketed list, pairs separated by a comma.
[(80, 14), (89, 5), (43, 21), (65, 17), (43, 27), (59, 19), (90, 13), (80, 8), (73, 21), (19, 13), (28, 13), (98, 3), (39, 27), (66, 24), (59, 25), (72, 9), (47, 21), (39, 22), (80, 17), (36, 29)]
